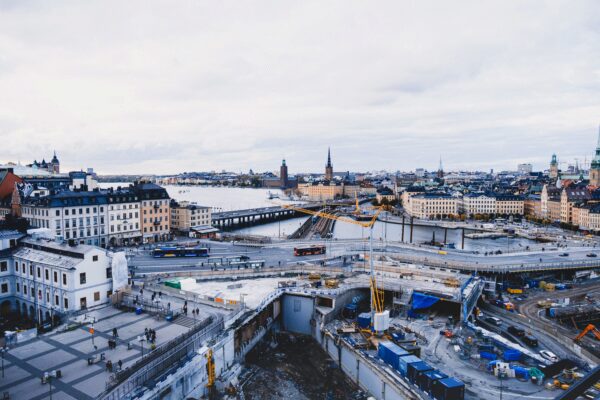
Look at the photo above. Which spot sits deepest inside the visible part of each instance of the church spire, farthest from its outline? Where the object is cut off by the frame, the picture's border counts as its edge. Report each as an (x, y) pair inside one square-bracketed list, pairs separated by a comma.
[(328, 157)]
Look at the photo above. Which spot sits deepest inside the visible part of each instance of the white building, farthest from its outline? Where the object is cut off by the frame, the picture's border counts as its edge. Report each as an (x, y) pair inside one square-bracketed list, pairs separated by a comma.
[(123, 218), (478, 203), (80, 216), (50, 277)]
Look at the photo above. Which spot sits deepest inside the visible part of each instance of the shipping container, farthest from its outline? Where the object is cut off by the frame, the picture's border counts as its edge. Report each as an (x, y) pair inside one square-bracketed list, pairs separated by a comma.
[(514, 290), (448, 389), (415, 369), (512, 355), (413, 349), (425, 380), (364, 320), (404, 362), (390, 353), (397, 336), (487, 355)]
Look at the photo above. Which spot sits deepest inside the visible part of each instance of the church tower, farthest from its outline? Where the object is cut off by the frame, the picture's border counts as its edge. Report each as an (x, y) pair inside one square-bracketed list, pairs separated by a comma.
[(328, 167), (54, 165), (595, 166), (554, 167)]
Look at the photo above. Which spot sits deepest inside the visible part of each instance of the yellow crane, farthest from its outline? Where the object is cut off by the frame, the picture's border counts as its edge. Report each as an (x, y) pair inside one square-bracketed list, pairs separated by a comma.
[(376, 294), (210, 370)]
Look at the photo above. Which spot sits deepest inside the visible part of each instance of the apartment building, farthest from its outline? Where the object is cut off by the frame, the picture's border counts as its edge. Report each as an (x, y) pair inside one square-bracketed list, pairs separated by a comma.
[(76, 215), (478, 203), (510, 204), (155, 211), (123, 217), (432, 205), (186, 215)]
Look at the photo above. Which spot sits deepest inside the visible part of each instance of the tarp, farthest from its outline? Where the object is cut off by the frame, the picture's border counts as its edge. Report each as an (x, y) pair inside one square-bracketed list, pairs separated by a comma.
[(420, 301)]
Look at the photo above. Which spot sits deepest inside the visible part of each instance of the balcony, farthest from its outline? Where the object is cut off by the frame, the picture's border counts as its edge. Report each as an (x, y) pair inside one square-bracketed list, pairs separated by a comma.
[(156, 222)]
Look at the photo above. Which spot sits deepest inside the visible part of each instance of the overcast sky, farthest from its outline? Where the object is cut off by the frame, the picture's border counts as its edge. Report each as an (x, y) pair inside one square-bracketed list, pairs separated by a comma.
[(166, 87)]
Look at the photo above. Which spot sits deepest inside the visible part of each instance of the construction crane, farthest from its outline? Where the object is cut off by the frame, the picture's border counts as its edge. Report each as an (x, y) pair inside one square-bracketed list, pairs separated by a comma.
[(376, 294), (590, 328), (210, 370)]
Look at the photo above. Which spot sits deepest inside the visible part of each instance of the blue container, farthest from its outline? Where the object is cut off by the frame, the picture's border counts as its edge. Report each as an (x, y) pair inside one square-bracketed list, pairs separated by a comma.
[(364, 320), (390, 353), (426, 379), (397, 336), (512, 355), (448, 389), (415, 369), (533, 283), (521, 373), (404, 362), (138, 310), (487, 355)]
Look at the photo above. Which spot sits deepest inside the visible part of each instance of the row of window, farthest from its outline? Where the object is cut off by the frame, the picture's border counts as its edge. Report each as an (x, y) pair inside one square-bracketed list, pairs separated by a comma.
[(21, 268)]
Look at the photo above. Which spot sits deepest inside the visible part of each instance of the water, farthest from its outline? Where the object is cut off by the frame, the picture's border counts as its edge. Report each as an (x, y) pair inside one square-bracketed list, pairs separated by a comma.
[(219, 198), (232, 198)]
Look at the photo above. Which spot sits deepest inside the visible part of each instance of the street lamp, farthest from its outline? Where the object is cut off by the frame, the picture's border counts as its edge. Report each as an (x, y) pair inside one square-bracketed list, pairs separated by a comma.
[(49, 376)]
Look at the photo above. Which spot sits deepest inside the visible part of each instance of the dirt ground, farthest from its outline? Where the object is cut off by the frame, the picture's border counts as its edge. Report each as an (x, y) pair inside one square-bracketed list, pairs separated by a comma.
[(296, 368)]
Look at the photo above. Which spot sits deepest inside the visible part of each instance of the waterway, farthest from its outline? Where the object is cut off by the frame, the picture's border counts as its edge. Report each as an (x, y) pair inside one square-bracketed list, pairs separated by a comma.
[(232, 198), (219, 198)]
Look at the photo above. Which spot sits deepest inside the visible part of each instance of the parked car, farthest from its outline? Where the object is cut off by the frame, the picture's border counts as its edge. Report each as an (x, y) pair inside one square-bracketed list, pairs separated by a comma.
[(548, 355), (564, 254), (591, 255)]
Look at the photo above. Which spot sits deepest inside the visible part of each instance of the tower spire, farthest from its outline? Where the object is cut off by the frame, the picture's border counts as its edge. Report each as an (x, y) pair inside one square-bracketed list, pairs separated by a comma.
[(329, 166), (328, 157)]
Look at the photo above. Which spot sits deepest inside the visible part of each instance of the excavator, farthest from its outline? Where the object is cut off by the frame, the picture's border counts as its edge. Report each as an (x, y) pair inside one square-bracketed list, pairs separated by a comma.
[(590, 328)]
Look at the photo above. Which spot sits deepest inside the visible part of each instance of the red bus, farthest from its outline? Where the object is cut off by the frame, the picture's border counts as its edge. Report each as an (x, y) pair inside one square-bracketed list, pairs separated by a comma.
[(309, 251)]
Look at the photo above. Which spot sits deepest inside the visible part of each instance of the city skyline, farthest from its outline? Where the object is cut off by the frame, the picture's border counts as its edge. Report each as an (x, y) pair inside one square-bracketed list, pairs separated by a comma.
[(212, 88)]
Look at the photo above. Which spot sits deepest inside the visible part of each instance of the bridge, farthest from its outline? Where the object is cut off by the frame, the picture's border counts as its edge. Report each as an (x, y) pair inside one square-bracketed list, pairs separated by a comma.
[(256, 216)]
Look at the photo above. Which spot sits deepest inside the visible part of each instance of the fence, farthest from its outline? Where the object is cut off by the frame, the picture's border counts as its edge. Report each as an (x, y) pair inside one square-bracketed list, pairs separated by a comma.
[(123, 383)]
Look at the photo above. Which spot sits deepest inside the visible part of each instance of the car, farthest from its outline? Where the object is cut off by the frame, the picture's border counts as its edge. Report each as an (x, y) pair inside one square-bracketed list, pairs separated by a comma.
[(548, 355), (530, 341), (564, 255), (591, 255), (516, 331), (494, 321)]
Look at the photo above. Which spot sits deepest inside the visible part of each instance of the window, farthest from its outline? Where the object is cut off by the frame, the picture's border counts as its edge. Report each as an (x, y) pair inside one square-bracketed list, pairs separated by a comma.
[(55, 276), (56, 299), (108, 294), (66, 303), (46, 272), (82, 278), (4, 288), (24, 269), (25, 290), (83, 302), (18, 288), (64, 279), (31, 270), (96, 296), (3, 266), (39, 272), (66, 212), (95, 258)]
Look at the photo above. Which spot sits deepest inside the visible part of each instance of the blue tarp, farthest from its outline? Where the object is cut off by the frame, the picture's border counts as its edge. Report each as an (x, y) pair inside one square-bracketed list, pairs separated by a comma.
[(420, 301)]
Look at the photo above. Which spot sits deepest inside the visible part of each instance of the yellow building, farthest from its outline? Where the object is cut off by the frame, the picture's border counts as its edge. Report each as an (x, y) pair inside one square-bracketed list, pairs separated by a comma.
[(327, 190), (432, 205), (155, 216), (185, 215)]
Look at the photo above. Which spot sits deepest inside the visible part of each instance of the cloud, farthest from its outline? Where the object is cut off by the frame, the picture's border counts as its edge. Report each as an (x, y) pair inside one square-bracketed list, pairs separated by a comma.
[(151, 87)]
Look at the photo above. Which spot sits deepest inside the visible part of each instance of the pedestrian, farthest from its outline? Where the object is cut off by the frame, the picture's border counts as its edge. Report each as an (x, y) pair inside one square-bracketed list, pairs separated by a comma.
[(197, 311), (115, 332), (120, 364), (168, 305), (160, 295)]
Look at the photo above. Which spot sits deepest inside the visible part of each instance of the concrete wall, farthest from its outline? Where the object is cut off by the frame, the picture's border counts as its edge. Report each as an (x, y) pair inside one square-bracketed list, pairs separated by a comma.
[(297, 313), (359, 370)]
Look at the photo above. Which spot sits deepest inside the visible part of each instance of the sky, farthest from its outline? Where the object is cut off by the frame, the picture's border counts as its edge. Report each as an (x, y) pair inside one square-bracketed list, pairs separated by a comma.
[(160, 87)]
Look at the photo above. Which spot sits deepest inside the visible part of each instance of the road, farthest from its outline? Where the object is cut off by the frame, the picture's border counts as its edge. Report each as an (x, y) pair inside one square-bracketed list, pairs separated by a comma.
[(281, 253)]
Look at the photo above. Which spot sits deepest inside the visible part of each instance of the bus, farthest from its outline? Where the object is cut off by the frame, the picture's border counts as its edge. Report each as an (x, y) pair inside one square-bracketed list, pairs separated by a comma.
[(309, 251), (161, 252)]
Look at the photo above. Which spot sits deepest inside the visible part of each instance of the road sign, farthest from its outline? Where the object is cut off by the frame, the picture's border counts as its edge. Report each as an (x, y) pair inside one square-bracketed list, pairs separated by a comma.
[(92, 331)]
